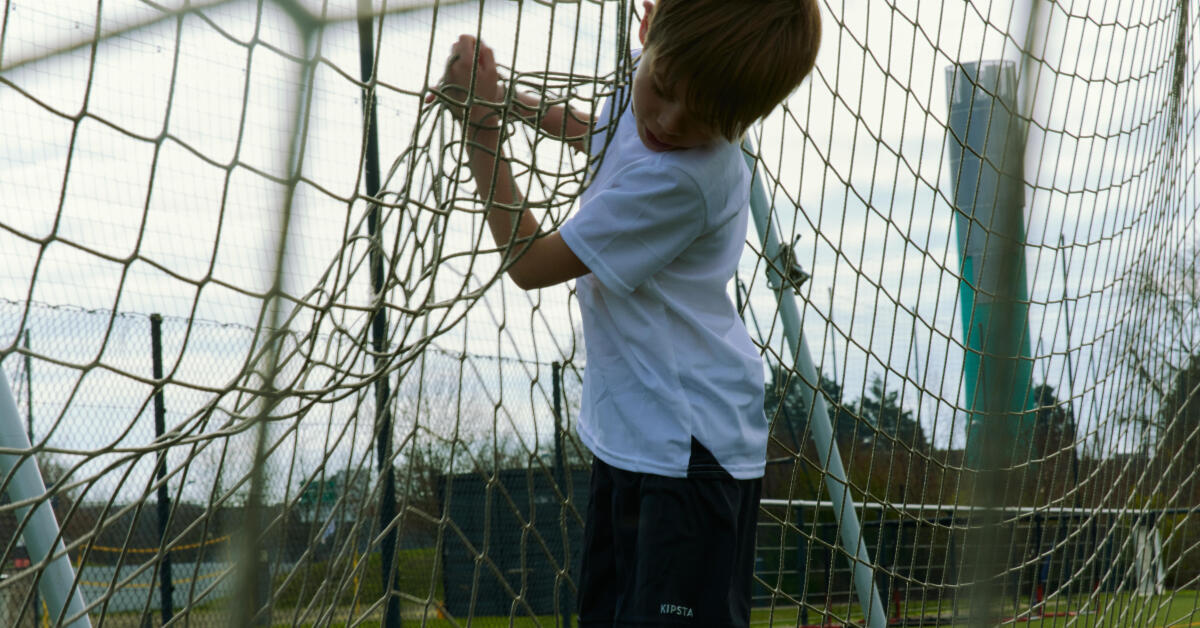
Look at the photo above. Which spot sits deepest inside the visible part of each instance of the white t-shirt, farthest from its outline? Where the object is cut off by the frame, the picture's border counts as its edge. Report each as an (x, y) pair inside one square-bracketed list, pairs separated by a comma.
[(668, 358)]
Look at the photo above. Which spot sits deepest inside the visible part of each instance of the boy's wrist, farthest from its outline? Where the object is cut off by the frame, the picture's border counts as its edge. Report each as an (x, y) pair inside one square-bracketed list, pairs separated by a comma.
[(485, 119), (483, 133)]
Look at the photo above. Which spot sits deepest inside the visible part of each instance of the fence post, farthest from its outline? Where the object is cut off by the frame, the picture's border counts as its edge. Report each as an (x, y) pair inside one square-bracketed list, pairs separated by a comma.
[(383, 416), (883, 566), (1039, 579), (955, 575), (829, 544), (165, 583), (37, 601), (802, 565), (560, 477)]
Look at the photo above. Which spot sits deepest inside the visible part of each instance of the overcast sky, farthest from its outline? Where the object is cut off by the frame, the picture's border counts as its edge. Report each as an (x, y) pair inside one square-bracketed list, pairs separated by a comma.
[(142, 174)]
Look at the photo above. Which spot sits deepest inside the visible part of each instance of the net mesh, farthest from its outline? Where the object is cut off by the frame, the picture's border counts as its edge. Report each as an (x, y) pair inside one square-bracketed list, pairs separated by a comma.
[(361, 417)]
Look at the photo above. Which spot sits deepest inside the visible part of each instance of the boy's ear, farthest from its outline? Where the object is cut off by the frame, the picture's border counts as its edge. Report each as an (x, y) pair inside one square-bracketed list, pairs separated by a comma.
[(647, 9)]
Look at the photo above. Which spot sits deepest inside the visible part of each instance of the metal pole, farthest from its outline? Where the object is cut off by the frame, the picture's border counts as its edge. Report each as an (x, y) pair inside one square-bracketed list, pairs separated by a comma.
[(560, 477), (383, 414), (28, 388), (836, 482), (1070, 373), (37, 601), (251, 601), (802, 564), (1069, 564), (883, 557), (832, 345), (165, 582), (39, 527), (955, 576)]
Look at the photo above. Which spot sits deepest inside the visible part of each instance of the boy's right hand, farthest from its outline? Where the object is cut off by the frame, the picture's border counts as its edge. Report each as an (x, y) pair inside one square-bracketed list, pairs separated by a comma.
[(455, 87)]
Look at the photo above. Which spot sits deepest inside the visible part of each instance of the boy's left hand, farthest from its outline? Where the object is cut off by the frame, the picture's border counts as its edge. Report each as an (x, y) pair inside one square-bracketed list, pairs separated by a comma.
[(454, 88)]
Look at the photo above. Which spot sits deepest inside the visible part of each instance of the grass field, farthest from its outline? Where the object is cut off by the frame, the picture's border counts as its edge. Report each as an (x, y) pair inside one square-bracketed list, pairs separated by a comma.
[(1100, 611), (1179, 608), (1179, 611)]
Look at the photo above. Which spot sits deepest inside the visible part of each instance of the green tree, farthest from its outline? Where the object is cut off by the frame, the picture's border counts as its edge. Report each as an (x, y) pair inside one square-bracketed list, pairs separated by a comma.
[(1054, 428), (1161, 351), (1178, 447), (881, 408), (785, 403), (1054, 434)]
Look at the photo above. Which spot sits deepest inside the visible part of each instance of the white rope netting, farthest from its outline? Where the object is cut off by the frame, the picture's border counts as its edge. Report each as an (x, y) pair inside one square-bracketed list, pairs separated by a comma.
[(350, 387)]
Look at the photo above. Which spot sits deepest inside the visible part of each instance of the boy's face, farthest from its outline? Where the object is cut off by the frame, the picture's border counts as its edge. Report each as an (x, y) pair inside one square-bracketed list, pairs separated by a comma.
[(663, 120)]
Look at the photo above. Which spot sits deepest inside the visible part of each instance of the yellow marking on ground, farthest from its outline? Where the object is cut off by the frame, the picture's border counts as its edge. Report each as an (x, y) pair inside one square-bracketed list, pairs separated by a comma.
[(146, 585), (153, 550)]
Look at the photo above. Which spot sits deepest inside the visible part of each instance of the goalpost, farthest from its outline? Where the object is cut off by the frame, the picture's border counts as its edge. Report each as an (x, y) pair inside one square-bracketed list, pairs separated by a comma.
[(271, 372)]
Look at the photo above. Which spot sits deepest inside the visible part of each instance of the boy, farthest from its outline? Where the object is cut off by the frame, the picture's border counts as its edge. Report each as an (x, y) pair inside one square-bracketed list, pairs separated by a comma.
[(673, 389)]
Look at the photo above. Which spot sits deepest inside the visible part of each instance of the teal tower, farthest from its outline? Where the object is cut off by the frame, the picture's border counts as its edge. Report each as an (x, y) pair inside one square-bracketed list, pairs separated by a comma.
[(986, 142)]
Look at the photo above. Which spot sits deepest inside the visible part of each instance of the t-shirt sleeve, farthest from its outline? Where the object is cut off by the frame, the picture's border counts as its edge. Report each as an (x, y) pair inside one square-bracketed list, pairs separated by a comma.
[(637, 225)]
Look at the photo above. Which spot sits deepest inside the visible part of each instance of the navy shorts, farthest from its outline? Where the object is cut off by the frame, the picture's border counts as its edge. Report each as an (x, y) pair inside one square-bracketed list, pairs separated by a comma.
[(662, 551)]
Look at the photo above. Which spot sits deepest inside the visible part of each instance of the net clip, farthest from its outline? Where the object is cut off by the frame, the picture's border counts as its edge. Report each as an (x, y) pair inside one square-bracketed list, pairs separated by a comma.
[(788, 268)]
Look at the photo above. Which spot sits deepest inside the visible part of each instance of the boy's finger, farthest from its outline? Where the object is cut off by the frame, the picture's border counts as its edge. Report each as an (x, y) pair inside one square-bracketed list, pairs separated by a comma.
[(465, 46), (487, 60)]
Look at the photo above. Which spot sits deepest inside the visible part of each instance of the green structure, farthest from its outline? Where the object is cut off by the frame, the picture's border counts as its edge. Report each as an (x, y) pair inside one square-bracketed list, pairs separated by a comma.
[(986, 144)]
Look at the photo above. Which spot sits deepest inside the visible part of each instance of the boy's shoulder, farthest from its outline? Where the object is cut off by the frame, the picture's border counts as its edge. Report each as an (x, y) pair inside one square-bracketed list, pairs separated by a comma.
[(717, 178), (714, 169), (711, 164)]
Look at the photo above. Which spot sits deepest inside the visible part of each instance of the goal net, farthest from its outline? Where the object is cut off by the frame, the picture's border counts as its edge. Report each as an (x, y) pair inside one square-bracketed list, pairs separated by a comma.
[(263, 358)]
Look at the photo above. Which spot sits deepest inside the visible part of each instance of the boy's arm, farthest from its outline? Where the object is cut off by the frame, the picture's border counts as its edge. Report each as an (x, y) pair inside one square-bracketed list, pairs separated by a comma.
[(558, 121), (540, 261)]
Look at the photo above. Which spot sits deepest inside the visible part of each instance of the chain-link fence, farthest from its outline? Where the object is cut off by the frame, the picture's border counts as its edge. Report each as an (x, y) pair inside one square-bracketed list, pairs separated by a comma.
[(139, 534)]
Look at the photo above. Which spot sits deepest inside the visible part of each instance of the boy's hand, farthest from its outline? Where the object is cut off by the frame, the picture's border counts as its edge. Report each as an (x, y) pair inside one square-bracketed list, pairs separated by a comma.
[(454, 88)]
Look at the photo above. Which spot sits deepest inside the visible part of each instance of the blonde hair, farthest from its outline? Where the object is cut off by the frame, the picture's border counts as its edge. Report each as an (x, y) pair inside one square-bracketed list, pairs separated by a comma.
[(738, 58)]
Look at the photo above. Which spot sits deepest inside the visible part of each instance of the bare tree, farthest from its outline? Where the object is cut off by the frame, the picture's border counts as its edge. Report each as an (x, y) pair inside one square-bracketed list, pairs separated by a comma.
[(1163, 353)]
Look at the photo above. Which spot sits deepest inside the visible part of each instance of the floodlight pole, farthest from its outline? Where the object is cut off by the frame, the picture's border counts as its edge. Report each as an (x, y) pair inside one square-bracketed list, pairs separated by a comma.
[(836, 483), (986, 150), (20, 476)]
